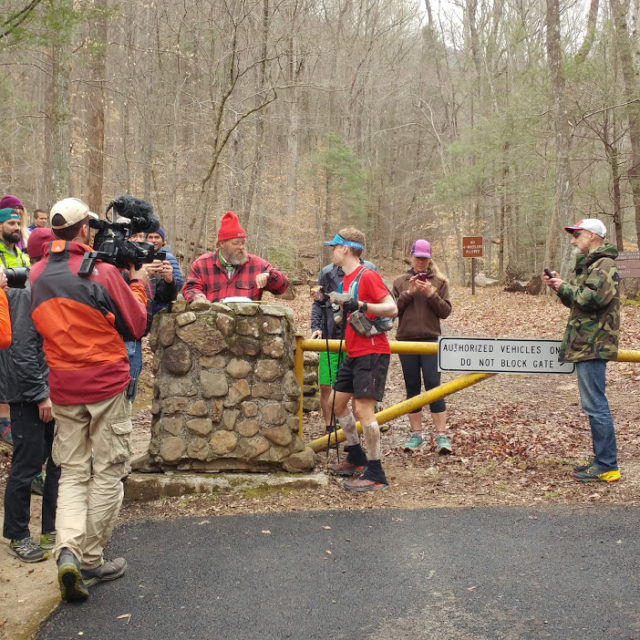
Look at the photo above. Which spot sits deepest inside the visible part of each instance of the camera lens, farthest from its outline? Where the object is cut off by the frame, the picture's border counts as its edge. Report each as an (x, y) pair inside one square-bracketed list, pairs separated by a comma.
[(17, 277)]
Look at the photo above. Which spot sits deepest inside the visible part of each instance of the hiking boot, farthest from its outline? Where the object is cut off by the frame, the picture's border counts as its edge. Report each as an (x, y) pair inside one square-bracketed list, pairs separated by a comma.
[(346, 469), (27, 550), (582, 467), (37, 485), (415, 442), (108, 570), (594, 473), (72, 587), (48, 541), (443, 444)]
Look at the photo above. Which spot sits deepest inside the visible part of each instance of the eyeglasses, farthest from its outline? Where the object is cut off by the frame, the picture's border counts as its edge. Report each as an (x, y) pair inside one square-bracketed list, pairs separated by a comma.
[(576, 234)]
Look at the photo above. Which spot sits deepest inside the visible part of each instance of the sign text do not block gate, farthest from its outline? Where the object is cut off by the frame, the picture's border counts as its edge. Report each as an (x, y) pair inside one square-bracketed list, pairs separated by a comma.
[(501, 355)]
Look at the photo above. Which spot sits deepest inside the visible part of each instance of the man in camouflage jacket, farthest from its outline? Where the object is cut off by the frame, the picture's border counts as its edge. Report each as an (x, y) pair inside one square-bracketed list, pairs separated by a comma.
[(591, 338)]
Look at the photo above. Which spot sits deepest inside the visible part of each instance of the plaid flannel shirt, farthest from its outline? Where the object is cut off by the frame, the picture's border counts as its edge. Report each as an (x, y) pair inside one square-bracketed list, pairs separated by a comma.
[(209, 277)]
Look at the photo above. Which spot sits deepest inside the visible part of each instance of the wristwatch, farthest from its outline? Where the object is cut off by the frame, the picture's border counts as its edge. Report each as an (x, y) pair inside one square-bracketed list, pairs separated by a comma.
[(364, 307)]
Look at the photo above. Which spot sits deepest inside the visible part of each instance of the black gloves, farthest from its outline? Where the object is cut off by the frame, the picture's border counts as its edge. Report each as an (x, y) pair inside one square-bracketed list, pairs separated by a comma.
[(350, 305)]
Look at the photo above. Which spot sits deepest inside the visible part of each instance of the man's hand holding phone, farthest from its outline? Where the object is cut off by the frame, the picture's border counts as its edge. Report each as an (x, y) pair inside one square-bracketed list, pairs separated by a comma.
[(551, 279)]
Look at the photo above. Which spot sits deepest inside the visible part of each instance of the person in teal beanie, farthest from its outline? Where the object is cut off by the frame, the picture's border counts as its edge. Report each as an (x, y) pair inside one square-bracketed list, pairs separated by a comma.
[(10, 257)]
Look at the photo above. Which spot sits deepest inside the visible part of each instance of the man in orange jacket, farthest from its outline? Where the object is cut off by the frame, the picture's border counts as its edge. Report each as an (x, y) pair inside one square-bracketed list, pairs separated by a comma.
[(83, 320)]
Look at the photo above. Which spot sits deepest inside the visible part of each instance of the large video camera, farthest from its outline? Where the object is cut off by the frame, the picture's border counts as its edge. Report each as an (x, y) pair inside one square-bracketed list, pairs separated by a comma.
[(111, 241), (17, 277)]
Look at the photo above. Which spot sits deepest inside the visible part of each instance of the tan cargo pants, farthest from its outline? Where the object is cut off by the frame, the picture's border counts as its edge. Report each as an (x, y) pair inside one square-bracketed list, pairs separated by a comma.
[(90, 491)]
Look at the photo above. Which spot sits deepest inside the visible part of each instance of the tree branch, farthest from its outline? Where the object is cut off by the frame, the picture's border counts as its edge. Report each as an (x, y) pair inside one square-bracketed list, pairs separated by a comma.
[(15, 20)]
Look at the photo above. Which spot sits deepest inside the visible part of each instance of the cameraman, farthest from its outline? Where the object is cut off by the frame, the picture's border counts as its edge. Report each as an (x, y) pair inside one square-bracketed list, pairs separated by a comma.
[(83, 321), (161, 290), (157, 238)]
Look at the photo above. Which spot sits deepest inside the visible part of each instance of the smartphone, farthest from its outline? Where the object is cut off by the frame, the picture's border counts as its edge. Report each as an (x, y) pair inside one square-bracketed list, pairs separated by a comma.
[(422, 276), (547, 272)]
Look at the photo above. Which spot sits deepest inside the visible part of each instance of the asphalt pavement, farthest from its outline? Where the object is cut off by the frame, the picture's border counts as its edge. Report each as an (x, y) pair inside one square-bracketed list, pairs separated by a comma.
[(481, 573)]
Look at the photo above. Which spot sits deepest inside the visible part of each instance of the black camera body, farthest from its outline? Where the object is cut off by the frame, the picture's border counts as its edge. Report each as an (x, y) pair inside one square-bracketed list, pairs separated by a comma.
[(17, 277), (322, 298), (111, 241)]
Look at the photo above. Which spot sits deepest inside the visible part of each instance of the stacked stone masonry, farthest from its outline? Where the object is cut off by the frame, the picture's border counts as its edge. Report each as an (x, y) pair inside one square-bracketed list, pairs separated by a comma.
[(225, 394)]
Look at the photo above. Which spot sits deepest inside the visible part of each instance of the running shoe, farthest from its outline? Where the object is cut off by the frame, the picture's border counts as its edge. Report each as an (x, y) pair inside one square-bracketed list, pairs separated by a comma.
[(443, 444), (414, 443), (593, 473)]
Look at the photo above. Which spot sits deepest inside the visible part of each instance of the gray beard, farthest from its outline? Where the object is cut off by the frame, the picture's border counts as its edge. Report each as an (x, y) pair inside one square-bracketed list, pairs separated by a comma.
[(238, 262)]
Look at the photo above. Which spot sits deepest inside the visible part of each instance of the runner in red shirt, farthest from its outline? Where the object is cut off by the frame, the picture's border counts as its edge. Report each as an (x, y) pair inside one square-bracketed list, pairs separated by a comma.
[(363, 373)]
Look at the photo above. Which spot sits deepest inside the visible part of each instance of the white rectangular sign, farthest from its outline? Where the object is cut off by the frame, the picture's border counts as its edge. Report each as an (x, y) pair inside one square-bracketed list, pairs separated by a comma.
[(500, 355)]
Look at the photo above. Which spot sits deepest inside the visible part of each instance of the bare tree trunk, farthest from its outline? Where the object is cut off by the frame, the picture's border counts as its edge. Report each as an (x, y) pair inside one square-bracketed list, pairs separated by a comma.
[(57, 138), (590, 35), (623, 43), (613, 158), (561, 130), (146, 107), (95, 128), (256, 169), (128, 146), (294, 68)]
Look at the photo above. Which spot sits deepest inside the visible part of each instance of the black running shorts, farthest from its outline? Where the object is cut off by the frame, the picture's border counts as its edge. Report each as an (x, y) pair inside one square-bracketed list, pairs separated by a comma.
[(364, 376)]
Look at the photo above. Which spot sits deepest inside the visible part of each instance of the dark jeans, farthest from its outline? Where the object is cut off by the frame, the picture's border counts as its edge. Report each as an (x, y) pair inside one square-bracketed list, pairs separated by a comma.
[(32, 440), (134, 353), (412, 365)]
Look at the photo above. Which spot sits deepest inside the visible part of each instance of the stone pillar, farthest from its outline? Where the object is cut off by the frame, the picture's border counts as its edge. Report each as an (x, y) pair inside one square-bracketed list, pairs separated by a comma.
[(225, 393)]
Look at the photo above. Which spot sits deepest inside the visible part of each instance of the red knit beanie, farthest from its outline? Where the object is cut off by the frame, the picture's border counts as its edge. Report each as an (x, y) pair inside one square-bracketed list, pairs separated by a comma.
[(38, 239), (230, 227)]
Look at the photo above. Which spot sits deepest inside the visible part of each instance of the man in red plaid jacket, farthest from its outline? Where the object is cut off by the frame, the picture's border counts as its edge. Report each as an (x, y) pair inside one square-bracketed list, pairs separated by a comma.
[(231, 271)]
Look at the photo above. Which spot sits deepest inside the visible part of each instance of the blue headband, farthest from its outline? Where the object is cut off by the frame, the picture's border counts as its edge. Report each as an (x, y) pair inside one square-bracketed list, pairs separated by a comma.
[(338, 239)]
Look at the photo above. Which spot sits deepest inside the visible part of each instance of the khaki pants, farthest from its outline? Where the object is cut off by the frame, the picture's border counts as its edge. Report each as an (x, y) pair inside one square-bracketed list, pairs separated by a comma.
[(90, 493)]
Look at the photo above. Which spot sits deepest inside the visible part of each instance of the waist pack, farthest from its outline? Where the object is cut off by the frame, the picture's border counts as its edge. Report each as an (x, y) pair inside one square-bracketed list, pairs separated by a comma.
[(363, 326)]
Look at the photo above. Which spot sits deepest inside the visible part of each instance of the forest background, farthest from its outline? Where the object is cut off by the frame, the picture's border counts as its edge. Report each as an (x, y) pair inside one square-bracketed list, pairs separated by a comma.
[(504, 118)]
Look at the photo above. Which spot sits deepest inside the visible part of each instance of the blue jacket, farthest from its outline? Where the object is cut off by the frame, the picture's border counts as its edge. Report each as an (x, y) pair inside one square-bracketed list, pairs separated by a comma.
[(161, 289), (177, 274)]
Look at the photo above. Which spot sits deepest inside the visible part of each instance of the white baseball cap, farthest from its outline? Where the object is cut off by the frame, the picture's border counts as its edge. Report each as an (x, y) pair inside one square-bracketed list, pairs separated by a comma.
[(589, 224), (72, 210)]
